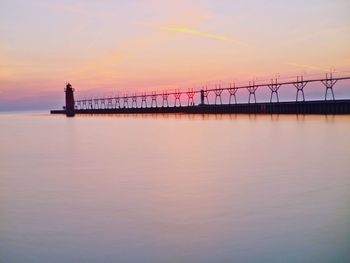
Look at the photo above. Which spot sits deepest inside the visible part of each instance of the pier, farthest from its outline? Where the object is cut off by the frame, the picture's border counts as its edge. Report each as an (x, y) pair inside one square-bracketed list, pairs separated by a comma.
[(199, 102)]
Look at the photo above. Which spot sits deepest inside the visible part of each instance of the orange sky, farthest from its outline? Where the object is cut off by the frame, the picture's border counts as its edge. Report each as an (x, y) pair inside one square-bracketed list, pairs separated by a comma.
[(104, 47)]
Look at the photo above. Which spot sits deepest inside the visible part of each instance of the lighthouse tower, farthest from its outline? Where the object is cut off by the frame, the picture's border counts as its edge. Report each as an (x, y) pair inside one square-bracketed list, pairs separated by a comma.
[(69, 100)]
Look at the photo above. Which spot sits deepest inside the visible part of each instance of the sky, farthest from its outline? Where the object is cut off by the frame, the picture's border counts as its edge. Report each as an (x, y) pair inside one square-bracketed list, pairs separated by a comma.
[(108, 47)]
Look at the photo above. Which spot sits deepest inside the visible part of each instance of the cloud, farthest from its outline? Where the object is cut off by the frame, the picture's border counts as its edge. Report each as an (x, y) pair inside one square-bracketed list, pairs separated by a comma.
[(193, 32), (307, 66)]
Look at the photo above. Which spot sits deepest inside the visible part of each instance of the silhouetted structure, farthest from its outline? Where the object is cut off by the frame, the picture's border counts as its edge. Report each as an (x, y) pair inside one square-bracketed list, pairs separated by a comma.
[(202, 97), (148, 103), (70, 103)]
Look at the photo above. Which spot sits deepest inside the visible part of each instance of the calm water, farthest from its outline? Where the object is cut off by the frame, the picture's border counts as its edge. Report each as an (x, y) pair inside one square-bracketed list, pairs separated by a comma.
[(174, 189)]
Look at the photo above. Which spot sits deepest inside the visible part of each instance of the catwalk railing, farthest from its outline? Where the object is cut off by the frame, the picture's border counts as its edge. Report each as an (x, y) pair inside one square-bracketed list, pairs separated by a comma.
[(161, 99)]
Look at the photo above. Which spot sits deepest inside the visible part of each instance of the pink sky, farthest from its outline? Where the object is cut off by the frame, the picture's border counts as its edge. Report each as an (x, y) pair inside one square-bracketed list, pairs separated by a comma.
[(105, 47)]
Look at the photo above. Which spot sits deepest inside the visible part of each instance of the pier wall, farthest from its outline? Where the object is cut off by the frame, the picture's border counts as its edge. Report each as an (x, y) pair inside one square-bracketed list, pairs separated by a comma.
[(307, 107)]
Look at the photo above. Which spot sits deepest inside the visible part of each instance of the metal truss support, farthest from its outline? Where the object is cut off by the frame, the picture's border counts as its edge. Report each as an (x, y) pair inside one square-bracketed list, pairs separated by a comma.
[(90, 104), (125, 101), (252, 89), (144, 100), (218, 92), (206, 95), (134, 101), (177, 95), (300, 85), (165, 96), (190, 95), (110, 103), (274, 87), (154, 99), (117, 102), (103, 103), (329, 83), (233, 90), (96, 104)]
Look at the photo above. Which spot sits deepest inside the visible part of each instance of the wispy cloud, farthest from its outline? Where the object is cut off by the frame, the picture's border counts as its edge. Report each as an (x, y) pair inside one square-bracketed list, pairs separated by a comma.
[(190, 31), (312, 67)]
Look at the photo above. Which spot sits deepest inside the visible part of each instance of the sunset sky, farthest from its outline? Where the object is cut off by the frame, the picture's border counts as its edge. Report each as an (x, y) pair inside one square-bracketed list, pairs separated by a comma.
[(104, 47)]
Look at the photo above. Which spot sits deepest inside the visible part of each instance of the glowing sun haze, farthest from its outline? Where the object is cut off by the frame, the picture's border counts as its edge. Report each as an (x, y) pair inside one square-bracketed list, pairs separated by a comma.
[(107, 46)]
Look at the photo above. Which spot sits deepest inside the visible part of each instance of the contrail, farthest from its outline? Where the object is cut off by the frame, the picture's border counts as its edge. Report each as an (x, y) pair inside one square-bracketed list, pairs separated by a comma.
[(193, 32)]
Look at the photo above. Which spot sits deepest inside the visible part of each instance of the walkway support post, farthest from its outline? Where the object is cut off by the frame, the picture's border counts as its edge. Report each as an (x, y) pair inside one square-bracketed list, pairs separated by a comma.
[(134, 101), (85, 103), (232, 90), (206, 95), (96, 104), (218, 92), (90, 104), (252, 88), (190, 95), (300, 85), (144, 100), (110, 103), (154, 99), (103, 104), (177, 95), (165, 96), (274, 87), (126, 101), (77, 105), (117, 102), (329, 83)]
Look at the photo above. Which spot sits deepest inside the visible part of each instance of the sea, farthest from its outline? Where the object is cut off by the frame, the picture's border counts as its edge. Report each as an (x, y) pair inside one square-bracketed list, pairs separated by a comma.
[(174, 188)]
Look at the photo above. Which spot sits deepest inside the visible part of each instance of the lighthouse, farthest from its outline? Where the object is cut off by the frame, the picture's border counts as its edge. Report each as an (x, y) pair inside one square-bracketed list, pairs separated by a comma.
[(69, 100)]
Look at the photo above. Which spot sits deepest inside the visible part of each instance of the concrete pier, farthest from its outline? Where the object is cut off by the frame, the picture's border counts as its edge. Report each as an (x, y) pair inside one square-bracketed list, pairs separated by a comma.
[(307, 107)]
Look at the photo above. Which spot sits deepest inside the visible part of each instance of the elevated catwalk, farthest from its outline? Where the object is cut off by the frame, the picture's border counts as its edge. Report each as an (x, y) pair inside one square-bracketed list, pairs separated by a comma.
[(198, 101), (307, 107)]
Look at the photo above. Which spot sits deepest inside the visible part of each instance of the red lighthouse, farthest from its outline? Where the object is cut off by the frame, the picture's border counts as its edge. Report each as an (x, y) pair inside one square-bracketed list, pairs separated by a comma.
[(69, 100)]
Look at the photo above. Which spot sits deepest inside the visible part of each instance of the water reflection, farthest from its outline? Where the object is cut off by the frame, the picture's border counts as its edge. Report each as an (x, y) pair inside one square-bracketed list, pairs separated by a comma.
[(174, 188)]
